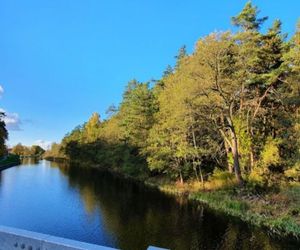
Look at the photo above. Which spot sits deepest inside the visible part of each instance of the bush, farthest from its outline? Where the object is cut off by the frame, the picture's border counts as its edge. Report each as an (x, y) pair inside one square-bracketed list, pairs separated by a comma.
[(293, 173), (270, 155), (221, 179)]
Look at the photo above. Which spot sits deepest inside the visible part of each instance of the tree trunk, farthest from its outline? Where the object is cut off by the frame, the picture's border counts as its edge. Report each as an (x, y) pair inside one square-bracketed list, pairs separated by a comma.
[(234, 148), (251, 159), (201, 176), (236, 162), (180, 176), (229, 166), (195, 170)]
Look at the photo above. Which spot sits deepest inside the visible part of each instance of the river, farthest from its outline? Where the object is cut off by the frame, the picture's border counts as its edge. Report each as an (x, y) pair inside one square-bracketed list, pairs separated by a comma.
[(97, 207)]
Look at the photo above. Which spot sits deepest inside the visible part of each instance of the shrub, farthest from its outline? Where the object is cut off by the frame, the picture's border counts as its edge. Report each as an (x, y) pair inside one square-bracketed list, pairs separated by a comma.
[(293, 173), (270, 155), (221, 179)]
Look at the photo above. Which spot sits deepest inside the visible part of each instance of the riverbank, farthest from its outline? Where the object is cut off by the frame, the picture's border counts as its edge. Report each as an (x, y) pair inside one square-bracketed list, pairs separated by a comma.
[(9, 161), (55, 159), (278, 212)]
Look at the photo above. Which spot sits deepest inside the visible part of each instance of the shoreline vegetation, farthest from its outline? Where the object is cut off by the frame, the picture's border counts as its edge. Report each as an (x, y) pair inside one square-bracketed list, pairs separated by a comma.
[(276, 213), (9, 161)]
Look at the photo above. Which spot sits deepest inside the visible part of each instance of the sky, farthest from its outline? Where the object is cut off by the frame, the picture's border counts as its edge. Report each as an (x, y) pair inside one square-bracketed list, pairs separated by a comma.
[(62, 60)]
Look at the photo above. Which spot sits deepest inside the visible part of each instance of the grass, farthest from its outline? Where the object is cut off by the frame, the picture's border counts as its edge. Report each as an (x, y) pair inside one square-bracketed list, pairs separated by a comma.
[(258, 211), (278, 212)]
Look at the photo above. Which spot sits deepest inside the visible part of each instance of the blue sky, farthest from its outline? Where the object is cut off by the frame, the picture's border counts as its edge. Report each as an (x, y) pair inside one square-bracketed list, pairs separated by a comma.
[(61, 60)]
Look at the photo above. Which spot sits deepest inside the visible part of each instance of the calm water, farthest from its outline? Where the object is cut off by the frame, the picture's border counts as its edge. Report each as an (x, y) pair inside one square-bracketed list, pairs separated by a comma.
[(99, 208)]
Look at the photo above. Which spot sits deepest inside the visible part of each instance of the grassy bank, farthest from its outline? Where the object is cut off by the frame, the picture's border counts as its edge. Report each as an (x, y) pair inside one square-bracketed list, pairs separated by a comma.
[(10, 160), (278, 212)]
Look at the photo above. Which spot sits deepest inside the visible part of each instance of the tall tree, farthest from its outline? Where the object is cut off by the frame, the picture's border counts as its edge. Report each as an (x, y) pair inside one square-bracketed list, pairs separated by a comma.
[(136, 113), (91, 128), (247, 19), (182, 54), (3, 134), (292, 100)]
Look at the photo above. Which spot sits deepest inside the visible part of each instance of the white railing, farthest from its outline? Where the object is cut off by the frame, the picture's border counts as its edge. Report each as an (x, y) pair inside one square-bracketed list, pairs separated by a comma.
[(15, 239)]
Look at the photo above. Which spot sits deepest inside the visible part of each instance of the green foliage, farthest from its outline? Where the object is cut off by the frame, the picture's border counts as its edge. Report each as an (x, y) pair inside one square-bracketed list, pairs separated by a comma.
[(91, 128), (224, 202), (3, 135), (293, 173), (54, 153), (136, 113), (270, 155), (245, 141), (247, 18), (221, 179), (256, 179)]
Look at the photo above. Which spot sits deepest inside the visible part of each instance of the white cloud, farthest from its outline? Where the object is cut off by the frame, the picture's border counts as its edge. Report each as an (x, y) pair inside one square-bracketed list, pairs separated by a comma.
[(44, 144), (12, 121), (1, 91)]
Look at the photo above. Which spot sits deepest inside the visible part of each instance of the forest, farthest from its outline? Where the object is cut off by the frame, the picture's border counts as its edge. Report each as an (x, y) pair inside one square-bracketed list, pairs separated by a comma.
[(232, 105)]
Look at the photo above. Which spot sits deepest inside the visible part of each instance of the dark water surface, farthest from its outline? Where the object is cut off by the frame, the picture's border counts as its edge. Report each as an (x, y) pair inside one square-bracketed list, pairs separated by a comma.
[(96, 207)]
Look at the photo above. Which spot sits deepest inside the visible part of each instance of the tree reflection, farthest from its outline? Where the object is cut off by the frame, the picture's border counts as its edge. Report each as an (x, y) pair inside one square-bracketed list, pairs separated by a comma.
[(137, 216)]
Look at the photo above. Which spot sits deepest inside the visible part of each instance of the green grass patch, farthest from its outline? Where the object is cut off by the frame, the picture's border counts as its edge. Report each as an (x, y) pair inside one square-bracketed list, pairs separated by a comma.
[(283, 223)]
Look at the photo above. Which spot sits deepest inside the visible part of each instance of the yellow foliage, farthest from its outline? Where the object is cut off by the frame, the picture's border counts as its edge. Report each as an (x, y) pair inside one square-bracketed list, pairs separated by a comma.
[(220, 179), (270, 154)]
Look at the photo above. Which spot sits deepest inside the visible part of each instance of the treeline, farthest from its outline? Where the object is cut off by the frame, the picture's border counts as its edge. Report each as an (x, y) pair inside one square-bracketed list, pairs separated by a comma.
[(230, 106), (26, 151)]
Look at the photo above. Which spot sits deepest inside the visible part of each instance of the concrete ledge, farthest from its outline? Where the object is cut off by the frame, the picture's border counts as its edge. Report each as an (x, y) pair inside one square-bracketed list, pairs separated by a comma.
[(156, 248), (14, 239)]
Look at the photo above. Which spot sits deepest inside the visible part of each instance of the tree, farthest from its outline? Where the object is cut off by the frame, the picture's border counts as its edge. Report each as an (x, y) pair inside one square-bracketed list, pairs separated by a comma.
[(3, 135), (111, 110), (262, 77), (37, 150), (169, 70), (247, 18), (136, 113), (18, 149), (177, 143), (182, 54), (55, 152), (91, 128), (292, 100)]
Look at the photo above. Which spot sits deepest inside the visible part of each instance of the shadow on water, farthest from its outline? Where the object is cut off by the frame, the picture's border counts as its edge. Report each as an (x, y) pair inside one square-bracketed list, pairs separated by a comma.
[(137, 216)]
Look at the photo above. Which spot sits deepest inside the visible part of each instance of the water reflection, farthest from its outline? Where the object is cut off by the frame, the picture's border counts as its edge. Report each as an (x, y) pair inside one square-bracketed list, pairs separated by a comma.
[(97, 207), (28, 161), (138, 216)]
